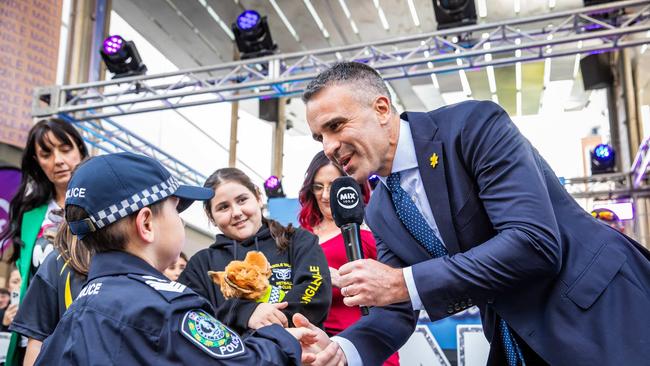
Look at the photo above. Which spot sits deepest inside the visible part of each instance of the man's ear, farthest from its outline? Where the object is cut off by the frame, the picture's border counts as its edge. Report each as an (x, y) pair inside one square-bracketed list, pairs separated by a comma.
[(144, 225), (382, 108)]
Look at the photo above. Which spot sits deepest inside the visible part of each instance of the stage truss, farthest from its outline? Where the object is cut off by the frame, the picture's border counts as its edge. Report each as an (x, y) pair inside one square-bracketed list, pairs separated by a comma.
[(580, 31)]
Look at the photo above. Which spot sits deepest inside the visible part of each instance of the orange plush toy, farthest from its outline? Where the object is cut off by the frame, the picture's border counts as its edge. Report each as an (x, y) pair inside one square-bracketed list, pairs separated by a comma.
[(248, 279)]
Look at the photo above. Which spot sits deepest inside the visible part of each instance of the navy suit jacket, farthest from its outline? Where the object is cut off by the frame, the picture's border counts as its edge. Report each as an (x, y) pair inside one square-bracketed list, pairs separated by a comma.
[(574, 289)]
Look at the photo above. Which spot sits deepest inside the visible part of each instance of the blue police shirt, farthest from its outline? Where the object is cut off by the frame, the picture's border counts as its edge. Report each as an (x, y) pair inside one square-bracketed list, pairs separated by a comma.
[(49, 294), (130, 314)]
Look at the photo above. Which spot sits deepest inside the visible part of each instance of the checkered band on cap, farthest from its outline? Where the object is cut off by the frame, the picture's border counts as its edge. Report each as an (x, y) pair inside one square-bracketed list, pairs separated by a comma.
[(134, 203)]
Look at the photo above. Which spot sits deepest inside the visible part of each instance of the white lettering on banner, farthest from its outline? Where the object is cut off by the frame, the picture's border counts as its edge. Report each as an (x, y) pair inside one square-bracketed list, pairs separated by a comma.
[(40, 253)]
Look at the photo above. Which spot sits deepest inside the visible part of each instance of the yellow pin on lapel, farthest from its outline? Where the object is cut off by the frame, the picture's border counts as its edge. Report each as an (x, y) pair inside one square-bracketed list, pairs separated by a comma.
[(434, 160)]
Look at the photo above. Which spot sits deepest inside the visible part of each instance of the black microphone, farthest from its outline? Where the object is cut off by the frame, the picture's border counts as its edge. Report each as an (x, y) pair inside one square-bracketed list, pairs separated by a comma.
[(346, 203)]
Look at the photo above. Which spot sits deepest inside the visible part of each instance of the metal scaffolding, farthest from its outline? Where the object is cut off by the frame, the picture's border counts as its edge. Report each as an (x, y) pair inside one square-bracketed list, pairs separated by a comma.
[(641, 163), (593, 29), (605, 187), (630, 184), (586, 30), (110, 137)]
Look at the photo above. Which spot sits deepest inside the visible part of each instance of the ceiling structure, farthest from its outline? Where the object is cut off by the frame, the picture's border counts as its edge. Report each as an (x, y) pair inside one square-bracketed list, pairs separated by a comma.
[(408, 59), (193, 33)]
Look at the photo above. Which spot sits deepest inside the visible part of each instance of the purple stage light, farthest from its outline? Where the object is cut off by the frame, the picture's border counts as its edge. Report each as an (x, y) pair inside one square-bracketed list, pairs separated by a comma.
[(273, 187), (248, 20), (113, 44), (272, 182)]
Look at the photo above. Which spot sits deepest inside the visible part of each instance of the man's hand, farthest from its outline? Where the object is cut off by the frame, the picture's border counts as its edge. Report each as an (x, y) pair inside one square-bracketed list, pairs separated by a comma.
[(267, 314), (323, 352), (370, 283)]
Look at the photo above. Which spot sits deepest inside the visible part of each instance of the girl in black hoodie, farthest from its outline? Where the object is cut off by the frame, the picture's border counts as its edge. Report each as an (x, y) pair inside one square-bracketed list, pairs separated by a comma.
[(297, 261)]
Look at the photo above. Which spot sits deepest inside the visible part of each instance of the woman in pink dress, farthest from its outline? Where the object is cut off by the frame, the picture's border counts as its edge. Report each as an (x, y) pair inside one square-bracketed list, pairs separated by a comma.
[(316, 216)]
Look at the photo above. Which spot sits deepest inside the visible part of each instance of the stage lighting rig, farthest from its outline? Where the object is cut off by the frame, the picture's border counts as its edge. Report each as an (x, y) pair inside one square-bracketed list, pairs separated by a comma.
[(273, 187), (454, 13), (121, 57), (603, 159), (597, 2), (611, 17), (252, 35)]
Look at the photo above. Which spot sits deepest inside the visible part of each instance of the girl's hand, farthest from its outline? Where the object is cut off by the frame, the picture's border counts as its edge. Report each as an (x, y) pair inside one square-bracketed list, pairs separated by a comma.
[(267, 314), (336, 278)]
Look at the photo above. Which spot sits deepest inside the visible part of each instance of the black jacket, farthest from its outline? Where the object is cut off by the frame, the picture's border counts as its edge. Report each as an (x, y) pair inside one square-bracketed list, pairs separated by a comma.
[(301, 271)]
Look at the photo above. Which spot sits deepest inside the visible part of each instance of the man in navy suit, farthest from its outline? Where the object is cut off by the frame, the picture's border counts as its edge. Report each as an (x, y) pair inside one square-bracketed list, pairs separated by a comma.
[(468, 213)]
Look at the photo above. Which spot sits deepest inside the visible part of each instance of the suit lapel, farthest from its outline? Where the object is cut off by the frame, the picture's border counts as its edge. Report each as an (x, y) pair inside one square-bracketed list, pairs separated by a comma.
[(387, 225), (424, 130)]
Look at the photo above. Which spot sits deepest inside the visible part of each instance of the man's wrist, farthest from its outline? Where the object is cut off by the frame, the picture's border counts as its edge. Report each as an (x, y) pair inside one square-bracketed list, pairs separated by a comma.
[(400, 284), (350, 354), (413, 295)]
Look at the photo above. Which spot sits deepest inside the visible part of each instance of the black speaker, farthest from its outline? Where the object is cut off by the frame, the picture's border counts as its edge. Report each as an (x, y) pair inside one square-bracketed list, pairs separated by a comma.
[(596, 72), (612, 17), (454, 13), (269, 109), (596, 2)]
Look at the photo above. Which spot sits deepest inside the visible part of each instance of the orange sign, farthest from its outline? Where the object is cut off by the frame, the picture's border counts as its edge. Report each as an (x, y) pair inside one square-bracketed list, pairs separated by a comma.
[(29, 44)]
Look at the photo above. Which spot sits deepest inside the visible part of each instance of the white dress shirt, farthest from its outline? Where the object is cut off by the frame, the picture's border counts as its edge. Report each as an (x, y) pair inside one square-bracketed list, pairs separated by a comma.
[(406, 163)]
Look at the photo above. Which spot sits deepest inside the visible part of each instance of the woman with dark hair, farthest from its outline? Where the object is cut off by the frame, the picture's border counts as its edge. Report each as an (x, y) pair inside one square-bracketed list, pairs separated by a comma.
[(52, 151), (316, 216), (298, 265)]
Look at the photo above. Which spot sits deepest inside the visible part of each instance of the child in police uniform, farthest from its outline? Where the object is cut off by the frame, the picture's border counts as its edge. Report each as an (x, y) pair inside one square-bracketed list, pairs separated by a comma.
[(125, 208)]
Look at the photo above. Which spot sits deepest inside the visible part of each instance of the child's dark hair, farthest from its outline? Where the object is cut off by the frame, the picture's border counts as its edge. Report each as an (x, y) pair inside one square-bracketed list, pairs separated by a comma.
[(71, 250), (111, 237), (281, 234)]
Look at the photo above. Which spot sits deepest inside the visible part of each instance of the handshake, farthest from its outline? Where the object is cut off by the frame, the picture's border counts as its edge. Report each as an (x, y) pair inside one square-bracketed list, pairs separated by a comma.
[(317, 348), (249, 279)]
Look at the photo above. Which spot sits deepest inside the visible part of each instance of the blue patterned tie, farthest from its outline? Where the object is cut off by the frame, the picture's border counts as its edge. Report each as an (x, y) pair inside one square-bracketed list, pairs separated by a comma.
[(411, 217), (510, 346)]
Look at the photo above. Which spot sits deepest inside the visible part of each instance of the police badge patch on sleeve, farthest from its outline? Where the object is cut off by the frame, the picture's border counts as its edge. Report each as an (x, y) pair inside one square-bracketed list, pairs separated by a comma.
[(210, 335)]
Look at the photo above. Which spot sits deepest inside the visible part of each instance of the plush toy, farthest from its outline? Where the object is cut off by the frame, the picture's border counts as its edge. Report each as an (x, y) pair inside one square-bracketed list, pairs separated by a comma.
[(248, 279)]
